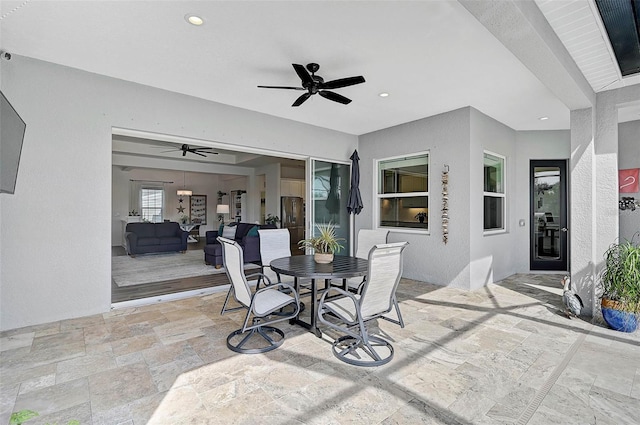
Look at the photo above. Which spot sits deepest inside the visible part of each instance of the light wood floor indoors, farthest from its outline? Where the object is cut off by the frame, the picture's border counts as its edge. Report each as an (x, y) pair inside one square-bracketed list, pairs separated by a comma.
[(148, 290), (156, 289)]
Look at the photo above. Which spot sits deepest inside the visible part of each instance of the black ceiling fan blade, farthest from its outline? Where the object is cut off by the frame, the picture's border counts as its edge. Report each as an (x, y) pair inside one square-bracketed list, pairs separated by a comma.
[(342, 82), (197, 153), (299, 101), (184, 152), (205, 150), (303, 74), (282, 87), (335, 97)]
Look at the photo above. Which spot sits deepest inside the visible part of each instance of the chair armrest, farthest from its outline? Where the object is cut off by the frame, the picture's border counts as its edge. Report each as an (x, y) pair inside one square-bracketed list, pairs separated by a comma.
[(211, 236), (132, 240), (183, 236)]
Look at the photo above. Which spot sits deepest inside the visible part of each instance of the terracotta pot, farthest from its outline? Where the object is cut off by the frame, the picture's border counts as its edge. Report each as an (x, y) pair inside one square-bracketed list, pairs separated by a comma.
[(322, 258)]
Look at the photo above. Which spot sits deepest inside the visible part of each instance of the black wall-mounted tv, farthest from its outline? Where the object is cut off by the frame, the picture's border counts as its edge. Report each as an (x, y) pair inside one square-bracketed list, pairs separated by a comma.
[(12, 129)]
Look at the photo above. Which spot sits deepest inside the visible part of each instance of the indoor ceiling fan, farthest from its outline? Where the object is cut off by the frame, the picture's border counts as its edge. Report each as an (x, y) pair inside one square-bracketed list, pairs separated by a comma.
[(315, 84), (195, 150)]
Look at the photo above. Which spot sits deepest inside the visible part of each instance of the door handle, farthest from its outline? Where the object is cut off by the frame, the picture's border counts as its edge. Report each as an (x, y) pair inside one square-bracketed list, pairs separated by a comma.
[(564, 229)]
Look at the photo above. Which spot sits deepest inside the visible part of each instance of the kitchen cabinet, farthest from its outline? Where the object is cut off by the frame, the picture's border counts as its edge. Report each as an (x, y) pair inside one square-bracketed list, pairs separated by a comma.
[(292, 187)]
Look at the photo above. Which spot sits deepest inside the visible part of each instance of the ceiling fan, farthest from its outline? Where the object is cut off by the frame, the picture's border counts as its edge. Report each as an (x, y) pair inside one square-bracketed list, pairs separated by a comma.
[(195, 150), (315, 84)]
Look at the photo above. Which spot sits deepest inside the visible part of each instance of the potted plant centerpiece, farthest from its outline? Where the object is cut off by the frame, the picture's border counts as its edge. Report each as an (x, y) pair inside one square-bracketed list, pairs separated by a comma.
[(620, 280), (325, 244), (421, 216)]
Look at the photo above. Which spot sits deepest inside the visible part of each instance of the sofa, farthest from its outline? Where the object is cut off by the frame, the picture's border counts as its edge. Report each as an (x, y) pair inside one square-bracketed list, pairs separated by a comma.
[(250, 244), (144, 238)]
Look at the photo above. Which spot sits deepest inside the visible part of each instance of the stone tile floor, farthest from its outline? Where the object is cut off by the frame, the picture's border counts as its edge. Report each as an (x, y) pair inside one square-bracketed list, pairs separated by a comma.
[(504, 354)]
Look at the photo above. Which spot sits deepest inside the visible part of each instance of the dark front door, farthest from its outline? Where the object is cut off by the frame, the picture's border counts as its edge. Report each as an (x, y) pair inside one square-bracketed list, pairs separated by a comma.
[(549, 230)]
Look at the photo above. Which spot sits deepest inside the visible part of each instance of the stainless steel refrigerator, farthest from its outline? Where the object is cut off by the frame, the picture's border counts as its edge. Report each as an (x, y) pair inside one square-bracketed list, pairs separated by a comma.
[(292, 218)]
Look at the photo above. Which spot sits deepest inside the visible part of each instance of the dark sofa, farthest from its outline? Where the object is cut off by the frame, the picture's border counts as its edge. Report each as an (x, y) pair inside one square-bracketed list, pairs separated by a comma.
[(143, 238), (250, 244)]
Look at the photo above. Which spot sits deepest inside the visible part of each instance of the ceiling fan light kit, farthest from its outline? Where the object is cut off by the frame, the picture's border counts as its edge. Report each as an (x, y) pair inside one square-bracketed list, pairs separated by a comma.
[(315, 84)]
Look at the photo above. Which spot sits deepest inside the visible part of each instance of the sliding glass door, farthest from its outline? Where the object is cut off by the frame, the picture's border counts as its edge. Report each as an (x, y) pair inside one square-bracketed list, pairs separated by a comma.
[(329, 195)]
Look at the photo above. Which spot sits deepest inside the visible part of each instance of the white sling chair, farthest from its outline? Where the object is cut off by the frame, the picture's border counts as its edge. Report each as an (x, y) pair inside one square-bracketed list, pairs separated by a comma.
[(367, 238), (274, 243), (376, 299), (263, 303)]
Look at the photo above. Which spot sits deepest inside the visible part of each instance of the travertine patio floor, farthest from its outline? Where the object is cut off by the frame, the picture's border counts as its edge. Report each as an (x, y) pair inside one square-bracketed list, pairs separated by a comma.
[(501, 355)]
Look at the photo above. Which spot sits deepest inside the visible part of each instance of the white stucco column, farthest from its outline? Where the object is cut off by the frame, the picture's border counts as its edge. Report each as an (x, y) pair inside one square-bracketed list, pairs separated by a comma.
[(582, 195), (606, 149)]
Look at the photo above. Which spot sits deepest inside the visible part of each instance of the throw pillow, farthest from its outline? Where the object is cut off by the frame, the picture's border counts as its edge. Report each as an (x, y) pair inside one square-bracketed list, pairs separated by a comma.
[(229, 232), (253, 231)]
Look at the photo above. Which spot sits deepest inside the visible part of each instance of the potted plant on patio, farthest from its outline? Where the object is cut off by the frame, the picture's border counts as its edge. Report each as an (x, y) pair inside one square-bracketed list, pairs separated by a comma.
[(620, 281), (325, 244)]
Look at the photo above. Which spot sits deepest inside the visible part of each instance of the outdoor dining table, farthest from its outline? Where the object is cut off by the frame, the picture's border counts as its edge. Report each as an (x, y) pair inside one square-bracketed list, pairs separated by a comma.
[(304, 266)]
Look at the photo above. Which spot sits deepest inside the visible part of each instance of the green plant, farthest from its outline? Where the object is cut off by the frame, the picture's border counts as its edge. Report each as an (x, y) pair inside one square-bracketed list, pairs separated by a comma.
[(421, 214), (620, 278), (134, 213), (17, 418), (272, 219), (326, 242)]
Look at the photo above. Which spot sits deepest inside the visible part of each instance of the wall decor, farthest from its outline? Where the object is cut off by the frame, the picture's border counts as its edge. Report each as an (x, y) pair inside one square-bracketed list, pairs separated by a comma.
[(445, 204), (198, 209), (628, 180)]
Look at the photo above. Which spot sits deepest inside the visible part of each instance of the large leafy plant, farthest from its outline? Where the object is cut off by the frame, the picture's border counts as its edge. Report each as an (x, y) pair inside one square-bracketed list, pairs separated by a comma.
[(325, 242), (620, 278)]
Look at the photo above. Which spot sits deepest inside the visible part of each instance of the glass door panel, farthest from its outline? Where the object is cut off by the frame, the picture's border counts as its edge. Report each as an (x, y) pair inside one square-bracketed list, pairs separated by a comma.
[(548, 215), (329, 196)]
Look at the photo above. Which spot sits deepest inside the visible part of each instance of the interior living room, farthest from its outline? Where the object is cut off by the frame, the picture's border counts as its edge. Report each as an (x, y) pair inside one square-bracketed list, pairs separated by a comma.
[(499, 140), (237, 181)]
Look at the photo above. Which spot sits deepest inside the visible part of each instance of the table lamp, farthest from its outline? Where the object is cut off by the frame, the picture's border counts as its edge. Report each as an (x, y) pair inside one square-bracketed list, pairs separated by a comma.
[(220, 210)]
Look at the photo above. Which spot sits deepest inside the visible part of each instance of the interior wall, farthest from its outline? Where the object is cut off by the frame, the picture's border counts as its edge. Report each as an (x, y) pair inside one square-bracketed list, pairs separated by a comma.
[(532, 145), (56, 229), (629, 157), (199, 183), (446, 137)]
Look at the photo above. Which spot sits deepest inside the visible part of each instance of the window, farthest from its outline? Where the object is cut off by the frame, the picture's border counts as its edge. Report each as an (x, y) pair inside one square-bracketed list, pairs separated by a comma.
[(403, 192), (494, 193), (151, 204)]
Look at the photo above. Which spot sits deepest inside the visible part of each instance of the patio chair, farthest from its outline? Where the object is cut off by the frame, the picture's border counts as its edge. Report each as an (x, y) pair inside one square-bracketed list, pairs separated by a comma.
[(367, 238), (274, 243), (350, 313), (260, 305)]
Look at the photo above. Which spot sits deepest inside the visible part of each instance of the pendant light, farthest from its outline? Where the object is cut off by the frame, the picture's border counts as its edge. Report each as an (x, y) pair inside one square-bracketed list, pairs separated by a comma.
[(183, 191)]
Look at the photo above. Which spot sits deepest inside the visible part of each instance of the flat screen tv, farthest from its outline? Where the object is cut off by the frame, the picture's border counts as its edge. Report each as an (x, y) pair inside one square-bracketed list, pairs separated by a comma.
[(12, 129)]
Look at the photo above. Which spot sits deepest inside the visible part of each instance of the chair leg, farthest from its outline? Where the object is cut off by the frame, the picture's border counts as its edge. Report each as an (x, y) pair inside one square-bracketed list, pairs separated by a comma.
[(272, 343)]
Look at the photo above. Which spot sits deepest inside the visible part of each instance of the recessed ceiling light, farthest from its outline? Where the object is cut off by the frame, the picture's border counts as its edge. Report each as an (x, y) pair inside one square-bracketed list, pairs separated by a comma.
[(194, 19), (384, 94), (543, 118)]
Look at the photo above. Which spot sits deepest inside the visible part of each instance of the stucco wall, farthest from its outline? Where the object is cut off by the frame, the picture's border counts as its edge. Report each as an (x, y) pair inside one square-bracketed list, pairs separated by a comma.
[(56, 229), (491, 254), (629, 157), (532, 145), (446, 137)]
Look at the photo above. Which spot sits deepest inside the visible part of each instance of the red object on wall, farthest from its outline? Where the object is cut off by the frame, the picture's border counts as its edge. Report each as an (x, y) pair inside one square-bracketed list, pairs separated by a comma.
[(628, 180)]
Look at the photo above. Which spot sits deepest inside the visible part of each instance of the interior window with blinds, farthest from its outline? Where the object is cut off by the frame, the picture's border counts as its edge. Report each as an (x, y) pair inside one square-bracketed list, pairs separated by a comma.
[(403, 192), (151, 204)]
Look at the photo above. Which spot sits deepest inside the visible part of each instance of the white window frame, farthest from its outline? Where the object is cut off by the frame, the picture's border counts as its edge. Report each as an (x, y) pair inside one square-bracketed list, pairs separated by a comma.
[(162, 207), (377, 184), (502, 195)]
